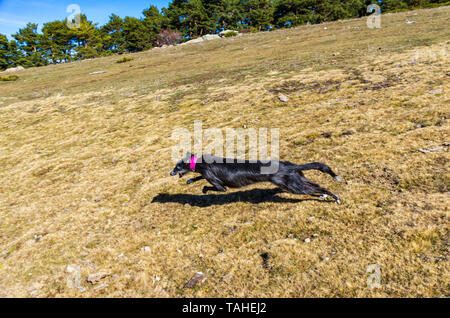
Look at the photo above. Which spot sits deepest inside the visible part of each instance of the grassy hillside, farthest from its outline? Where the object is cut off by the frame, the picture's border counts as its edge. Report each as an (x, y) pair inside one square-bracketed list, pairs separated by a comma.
[(85, 161)]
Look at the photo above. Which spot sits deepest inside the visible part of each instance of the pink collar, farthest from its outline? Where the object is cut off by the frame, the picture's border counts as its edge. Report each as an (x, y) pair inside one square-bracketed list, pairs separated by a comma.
[(193, 162)]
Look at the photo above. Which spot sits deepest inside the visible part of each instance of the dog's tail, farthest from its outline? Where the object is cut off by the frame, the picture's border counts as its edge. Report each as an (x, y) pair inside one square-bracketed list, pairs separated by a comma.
[(317, 166)]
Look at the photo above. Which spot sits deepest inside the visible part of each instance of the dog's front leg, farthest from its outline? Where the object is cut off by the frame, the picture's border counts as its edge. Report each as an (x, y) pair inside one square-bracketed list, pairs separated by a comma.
[(194, 179)]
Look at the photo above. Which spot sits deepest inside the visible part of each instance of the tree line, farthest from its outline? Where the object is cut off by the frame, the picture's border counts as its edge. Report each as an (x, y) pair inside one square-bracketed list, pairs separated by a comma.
[(180, 21)]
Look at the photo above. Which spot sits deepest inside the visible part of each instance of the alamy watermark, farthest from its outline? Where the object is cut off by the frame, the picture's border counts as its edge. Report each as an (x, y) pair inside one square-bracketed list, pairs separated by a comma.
[(430, 54), (374, 279), (74, 277), (73, 21), (374, 20), (234, 143)]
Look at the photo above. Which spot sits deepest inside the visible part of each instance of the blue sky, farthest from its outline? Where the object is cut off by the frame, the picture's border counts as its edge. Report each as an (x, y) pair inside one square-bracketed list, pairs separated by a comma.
[(15, 14)]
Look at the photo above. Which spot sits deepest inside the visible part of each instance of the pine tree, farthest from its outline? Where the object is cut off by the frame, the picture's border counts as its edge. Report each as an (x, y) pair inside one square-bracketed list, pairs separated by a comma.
[(190, 17), (10, 53), (112, 35), (225, 14), (88, 39), (136, 37), (388, 5), (28, 38), (197, 21), (4, 52), (57, 42), (154, 22), (15, 55), (30, 43), (258, 14), (294, 12)]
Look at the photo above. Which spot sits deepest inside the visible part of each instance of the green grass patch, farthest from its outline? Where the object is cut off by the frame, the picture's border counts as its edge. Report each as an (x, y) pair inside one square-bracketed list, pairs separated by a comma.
[(9, 78), (125, 60)]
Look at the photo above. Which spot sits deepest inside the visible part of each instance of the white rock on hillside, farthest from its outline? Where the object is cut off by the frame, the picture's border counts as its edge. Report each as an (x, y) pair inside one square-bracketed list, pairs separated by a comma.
[(13, 69), (197, 40), (208, 37)]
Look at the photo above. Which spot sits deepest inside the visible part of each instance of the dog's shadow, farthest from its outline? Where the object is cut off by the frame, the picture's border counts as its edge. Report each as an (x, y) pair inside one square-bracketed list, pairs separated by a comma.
[(251, 196)]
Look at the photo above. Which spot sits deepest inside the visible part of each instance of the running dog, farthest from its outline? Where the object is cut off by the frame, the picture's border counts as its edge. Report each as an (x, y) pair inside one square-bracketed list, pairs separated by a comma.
[(234, 173)]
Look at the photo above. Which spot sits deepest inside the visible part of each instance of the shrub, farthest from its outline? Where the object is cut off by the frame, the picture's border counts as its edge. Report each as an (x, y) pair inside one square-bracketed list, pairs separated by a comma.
[(125, 59), (229, 34), (9, 78), (168, 37)]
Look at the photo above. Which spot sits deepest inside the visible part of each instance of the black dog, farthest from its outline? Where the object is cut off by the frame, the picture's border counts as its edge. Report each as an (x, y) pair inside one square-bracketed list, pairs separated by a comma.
[(222, 172)]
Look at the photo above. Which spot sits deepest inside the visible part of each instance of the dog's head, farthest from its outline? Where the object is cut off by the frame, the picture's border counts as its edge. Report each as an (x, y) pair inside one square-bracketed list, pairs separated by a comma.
[(182, 167)]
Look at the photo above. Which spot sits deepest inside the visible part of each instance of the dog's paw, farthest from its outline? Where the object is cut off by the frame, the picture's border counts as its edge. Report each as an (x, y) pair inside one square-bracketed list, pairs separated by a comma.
[(338, 179), (189, 181), (323, 197), (336, 199), (204, 190)]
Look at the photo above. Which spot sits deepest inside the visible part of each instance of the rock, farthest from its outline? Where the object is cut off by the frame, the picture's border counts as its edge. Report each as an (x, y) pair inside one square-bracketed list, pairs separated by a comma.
[(283, 98), (95, 278), (13, 69), (97, 72), (410, 22), (208, 37), (197, 40), (315, 235), (146, 249), (311, 218), (434, 149), (196, 280), (435, 91), (446, 144), (101, 286), (307, 240), (349, 132)]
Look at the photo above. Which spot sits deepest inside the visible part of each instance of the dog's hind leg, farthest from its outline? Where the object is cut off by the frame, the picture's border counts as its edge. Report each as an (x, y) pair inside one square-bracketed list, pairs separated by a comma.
[(301, 185), (216, 187), (206, 189), (318, 166), (316, 189)]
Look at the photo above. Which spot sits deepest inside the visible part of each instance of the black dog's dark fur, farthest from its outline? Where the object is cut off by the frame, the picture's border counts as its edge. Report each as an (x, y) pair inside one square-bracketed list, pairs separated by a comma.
[(223, 173)]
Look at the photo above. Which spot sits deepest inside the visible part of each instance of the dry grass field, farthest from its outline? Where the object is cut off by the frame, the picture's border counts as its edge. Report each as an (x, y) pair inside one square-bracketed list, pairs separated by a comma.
[(85, 162)]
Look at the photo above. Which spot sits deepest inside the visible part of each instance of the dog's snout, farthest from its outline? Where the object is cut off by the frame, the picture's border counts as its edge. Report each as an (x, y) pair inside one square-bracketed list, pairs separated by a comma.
[(172, 173)]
